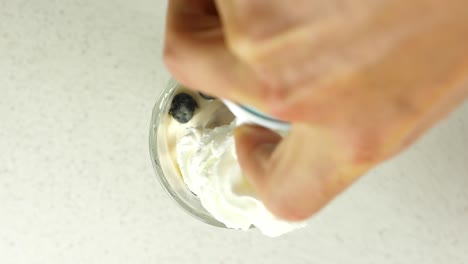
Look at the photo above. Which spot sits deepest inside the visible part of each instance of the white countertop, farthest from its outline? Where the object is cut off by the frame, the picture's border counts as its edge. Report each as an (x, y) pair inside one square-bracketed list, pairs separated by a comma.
[(78, 80)]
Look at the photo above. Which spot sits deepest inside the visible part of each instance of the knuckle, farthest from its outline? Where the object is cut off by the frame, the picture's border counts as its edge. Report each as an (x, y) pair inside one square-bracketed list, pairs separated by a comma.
[(171, 47), (242, 45), (288, 212), (169, 56), (369, 147), (294, 206), (174, 62)]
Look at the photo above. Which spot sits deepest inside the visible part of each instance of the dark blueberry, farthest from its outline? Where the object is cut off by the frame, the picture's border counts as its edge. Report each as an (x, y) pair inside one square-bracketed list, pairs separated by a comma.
[(207, 97), (183, 107)]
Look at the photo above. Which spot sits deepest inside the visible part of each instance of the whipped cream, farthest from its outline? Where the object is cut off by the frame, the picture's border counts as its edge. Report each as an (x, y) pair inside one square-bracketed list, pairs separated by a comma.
[(208, 164)]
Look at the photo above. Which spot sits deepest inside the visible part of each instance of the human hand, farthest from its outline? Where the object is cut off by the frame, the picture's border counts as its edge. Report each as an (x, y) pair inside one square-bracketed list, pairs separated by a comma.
[(358, 81)]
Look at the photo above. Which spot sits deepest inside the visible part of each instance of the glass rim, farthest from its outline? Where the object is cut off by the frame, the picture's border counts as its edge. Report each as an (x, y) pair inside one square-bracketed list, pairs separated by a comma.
[(156, 116)]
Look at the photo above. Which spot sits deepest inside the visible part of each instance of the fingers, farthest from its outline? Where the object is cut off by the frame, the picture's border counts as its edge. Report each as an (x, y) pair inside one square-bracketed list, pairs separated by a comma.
[(299, 175), (254, 21), (295, 48), (405, 84), (303, 49), (373, 81), (196, 55)]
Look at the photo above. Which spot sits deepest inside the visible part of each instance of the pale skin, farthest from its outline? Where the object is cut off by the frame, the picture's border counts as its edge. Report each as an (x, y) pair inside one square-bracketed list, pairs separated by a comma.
[(359, 80)]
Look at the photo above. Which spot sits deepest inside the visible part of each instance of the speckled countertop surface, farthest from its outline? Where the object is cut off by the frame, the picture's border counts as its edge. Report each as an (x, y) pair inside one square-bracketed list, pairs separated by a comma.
[(78, 79)]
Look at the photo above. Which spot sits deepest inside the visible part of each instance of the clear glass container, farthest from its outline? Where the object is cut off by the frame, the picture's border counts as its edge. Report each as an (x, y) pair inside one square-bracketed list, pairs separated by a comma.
[(164, 167)]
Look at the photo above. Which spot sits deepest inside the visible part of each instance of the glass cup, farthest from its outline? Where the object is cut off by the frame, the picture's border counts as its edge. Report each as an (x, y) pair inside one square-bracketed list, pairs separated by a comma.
[(164, 167)]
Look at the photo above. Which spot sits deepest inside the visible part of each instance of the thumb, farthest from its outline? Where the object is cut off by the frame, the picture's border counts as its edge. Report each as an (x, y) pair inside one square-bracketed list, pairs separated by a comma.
[(255, 145), (297, 175)]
